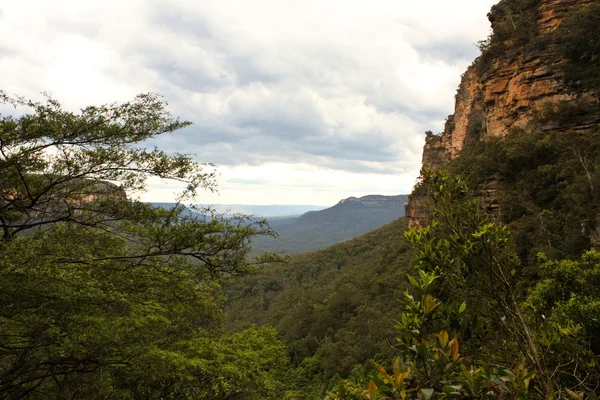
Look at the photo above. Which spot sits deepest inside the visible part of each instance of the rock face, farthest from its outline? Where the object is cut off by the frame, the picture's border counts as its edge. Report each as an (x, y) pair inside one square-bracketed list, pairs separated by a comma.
[(100, 190), (514, 89)]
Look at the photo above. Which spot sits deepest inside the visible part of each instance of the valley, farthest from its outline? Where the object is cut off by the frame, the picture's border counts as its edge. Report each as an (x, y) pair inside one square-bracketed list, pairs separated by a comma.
[(482, 283)]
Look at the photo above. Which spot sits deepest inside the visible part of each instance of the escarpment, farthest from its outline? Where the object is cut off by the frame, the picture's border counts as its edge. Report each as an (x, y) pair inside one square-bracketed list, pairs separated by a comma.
[(535, 73)]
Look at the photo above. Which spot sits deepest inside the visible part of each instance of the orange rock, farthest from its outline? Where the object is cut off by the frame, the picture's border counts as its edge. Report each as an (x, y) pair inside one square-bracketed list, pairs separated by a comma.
[(516, 87)]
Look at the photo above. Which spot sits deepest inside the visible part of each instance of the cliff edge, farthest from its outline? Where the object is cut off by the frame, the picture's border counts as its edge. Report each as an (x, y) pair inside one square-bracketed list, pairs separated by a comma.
[(536, 61)]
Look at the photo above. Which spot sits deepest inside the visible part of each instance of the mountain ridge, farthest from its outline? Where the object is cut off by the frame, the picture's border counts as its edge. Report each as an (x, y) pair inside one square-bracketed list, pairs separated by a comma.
[(349, 218)]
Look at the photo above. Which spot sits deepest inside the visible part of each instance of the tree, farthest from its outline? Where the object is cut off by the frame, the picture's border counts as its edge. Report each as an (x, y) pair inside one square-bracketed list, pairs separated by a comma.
[(102, 296), (564, 307), (430, 364), (473, 254), (470, 286)]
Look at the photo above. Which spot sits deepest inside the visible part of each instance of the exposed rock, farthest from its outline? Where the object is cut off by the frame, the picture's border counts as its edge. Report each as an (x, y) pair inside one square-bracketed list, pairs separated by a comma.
[(417, 210), (516, 89), (435, 154)]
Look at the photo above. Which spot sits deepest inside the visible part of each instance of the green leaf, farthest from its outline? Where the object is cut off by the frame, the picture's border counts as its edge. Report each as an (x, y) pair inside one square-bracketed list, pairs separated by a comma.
[(426, 394), (450, 389), (414, 282), (422, 350)]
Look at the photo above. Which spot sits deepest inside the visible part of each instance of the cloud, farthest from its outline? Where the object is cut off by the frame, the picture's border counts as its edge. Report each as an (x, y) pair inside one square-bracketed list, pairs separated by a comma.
[(347, 87)]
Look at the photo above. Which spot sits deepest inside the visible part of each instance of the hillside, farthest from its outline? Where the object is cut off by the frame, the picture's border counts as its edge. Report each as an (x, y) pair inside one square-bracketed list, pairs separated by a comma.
[(349, 218), (511, 185), (334, 307)]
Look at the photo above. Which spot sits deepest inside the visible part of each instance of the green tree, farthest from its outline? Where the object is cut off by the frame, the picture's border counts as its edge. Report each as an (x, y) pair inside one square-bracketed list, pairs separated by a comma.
[(470, 285), (473, 254), (105, 297), (564, 307), (430, 365)]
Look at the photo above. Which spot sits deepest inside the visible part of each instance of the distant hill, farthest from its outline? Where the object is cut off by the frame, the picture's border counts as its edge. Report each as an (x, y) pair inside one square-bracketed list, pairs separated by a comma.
[(349, 218), (275, 211)]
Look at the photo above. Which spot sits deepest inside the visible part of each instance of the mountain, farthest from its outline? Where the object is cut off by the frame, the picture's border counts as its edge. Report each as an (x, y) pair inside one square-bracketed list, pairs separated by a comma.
[(274, 211), (349, 218), (270, 211)]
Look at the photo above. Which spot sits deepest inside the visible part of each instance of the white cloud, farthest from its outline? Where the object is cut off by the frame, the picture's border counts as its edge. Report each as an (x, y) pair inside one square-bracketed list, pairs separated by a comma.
[(313, 100), (281, 183)]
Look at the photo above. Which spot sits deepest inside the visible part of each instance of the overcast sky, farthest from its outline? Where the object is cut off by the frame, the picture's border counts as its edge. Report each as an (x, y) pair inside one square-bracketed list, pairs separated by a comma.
[(297, 102)]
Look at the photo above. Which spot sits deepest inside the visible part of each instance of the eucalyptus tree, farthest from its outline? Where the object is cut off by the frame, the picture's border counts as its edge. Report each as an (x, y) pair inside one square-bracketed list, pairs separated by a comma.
[(101, 296)]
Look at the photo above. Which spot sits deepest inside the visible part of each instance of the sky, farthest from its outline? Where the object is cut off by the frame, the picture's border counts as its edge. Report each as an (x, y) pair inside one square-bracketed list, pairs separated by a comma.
[(296, 102)]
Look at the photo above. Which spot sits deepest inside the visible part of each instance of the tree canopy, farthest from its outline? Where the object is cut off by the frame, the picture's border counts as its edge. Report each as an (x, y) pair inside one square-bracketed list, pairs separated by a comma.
[(105, 297)]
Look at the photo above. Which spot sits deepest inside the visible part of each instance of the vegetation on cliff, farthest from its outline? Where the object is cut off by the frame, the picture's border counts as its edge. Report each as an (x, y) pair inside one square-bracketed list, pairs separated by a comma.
[(520, 336), (544, 188), (517, 31)]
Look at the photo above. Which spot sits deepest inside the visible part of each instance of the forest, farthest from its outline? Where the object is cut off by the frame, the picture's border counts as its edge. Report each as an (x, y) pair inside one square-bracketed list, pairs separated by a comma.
[(493, 295)]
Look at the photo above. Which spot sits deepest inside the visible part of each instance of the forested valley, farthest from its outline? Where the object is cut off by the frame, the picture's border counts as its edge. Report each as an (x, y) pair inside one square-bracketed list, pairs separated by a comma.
[(488, 289)]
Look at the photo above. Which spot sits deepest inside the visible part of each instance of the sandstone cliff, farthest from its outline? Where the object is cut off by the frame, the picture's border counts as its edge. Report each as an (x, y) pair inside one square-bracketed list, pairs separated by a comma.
[(518, 82)]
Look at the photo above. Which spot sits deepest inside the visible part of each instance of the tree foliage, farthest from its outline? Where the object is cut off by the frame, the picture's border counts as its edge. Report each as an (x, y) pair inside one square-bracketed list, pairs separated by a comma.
[(519, 340), (515, 27), (578, 35), (106, 297), (332, 307), (545, 188), (430, 365)]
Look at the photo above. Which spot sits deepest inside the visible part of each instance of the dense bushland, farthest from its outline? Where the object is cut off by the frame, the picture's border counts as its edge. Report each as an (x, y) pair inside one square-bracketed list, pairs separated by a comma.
[(102, 297), (332, 307)]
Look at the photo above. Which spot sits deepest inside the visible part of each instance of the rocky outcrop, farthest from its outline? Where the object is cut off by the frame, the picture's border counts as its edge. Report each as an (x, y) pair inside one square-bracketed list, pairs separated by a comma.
[(417, 210), (519, 86), (376, 200)]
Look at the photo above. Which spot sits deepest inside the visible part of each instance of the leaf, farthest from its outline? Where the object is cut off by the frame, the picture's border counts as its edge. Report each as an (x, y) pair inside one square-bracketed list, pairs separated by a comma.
[(400, 378), (426, 394), (397, 366), (454, 352), (413, 281), (462, 307), (429, 304), (384, 374), (423, 350), (450, 389), (443, 338), (372, 388)]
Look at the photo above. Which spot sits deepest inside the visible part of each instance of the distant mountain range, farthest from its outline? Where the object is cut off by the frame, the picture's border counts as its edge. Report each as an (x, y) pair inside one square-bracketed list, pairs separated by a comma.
[(271, 211), (349, 218), (306, 227)]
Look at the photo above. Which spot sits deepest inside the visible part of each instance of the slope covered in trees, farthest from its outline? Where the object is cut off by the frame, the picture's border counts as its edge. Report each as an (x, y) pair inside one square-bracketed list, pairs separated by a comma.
[(333, 307)]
